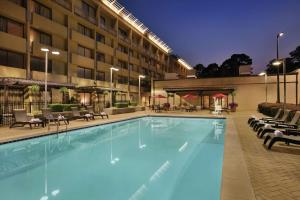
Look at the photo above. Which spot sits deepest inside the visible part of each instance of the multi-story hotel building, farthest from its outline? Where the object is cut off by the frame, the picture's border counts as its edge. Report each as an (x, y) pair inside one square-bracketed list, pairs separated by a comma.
[(91, 36)]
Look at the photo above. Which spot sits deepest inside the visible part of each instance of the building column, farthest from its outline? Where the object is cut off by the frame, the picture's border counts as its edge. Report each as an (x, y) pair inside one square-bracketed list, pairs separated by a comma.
[(28, 21)]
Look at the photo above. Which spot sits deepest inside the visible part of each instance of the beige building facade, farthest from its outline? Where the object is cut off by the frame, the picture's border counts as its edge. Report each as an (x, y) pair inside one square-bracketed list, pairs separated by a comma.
[(91, 35), (248, 91)]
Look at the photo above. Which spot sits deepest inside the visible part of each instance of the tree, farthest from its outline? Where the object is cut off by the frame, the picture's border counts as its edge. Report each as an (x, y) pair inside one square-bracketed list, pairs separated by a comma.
[(212, 70), (199, 70), (230, 67), (295, 55)]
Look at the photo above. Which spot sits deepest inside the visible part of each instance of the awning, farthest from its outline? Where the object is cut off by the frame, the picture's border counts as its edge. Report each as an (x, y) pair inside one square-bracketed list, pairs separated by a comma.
[(5, 81), (201, 90)]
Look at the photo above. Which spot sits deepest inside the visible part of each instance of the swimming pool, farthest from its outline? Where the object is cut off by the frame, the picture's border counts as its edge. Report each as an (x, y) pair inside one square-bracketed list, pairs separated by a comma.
[(149, 158)]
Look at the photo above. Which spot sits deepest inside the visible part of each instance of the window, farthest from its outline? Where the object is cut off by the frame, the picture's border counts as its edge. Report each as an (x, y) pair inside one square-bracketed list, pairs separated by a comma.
[(38, 64), (11, 59), (134, 81), (83, 51), (42, 10), (122, 64), (45, 39), (122, 79), (18, 2), (123, 33), (100, 38), (11, 27), (100, 76), (84, 73), (122, 48), (84, 30), (88, 10), (102, 21), (100, 57)]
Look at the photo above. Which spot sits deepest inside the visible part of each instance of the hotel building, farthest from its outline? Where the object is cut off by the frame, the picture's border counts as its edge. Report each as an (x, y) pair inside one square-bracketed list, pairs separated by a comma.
[(91, 36)]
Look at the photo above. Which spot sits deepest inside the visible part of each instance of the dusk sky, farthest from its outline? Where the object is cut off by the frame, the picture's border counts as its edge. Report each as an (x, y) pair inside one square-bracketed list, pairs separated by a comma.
[(211, 31)]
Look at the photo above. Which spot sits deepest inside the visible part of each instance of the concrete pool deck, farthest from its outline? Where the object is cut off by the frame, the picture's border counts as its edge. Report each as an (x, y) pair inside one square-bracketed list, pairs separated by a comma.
[(249, 170)]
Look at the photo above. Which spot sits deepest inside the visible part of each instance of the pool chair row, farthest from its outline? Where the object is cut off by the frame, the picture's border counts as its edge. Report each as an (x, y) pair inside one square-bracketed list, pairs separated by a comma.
[(21, 118), (283, 127)]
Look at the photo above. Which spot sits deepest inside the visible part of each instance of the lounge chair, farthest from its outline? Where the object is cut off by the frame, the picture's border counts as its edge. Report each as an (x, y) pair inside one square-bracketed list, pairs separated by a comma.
[(76, 115), (279, 126), (288, 137), (49, 117), (21, 118), (101, 114), (253, 119), (157, 108), (262, 123)]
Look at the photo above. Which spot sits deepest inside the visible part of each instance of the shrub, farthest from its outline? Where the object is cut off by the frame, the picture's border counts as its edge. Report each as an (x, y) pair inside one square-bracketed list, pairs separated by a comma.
[(121, 104), (133, 103), (270, 109), (62, 107)]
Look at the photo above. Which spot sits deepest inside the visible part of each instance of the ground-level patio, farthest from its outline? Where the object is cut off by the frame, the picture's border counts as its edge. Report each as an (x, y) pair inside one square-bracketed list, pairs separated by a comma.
[(250, 171)]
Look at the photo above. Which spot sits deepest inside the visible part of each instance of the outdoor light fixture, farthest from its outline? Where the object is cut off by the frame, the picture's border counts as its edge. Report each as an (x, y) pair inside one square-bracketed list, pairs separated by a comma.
[(140, 76), (184, 63), (46, 50), (276, 63), (111, 85), (262, 74), (280, 34)]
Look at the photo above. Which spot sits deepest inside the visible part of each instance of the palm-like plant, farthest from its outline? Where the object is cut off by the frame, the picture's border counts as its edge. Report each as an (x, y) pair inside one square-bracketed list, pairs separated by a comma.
[(64, 91)]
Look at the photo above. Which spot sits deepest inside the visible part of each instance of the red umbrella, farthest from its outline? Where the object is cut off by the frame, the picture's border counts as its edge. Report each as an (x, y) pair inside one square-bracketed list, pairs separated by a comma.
[(159, 96), (219, 95), (189, 96)]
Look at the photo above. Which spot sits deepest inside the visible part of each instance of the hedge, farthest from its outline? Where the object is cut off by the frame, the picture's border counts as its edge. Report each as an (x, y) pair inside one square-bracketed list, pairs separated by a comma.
[(121, 104), (62, 107)]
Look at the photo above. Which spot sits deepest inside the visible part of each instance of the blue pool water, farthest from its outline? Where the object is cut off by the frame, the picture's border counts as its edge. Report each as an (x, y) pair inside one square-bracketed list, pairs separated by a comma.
[(150, 158)]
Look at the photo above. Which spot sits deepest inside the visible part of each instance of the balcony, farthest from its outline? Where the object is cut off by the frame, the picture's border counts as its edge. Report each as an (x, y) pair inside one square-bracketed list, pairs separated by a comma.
[(81, 81), (82, 61), (122, 56), (124, 39), (12, 42), (135, 60), (108, 30), (105, 48), (103, 66), (79, 12), (19, 13), (51, 77), (36, 51), (12, 72), (64, 3), (48, 25), (83, 40)]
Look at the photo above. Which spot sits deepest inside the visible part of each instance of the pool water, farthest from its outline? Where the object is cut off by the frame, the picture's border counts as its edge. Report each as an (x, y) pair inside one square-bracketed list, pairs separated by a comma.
[(150, 158)]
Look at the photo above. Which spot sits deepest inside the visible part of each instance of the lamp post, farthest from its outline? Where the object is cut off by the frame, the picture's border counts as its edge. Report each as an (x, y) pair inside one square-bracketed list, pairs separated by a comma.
[(140, 76), (264, 73), (277, 57), (111, 85), (277, 63), (46, 72)]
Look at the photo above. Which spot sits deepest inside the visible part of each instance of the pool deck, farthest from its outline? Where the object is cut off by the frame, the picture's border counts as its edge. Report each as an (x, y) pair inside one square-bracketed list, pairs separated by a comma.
[(250, 171)]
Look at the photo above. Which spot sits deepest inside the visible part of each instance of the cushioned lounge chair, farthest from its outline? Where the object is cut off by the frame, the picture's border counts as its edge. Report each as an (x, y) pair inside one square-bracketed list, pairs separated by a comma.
[(289, 137), (280, 126), (283, 119), (76, 115), (252, 120), (101, 114), (22, 119), (48, 115)]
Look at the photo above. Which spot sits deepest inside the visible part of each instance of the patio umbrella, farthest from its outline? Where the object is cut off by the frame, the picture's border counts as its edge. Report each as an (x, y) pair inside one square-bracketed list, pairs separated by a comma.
[(159, 96), (219, 96), (189, 96)]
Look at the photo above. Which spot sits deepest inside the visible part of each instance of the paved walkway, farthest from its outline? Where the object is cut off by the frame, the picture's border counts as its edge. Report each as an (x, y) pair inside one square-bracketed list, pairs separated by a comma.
[(274, 175)]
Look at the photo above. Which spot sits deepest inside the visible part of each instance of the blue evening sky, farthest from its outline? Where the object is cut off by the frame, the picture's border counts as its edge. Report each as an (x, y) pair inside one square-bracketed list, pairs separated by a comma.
[(208, 31)]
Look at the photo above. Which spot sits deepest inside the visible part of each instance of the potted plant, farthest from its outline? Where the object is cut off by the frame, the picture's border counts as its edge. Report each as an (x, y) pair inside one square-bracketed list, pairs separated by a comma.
[(233, 106)]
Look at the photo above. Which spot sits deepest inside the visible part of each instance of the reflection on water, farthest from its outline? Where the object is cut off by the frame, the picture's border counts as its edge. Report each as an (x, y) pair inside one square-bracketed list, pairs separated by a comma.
[(145, 158)]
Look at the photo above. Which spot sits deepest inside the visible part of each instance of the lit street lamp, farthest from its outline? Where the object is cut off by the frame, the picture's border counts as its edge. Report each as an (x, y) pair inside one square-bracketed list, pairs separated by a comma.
[(46, 71), (277, 63), (111, 85), (277, 57), (264, 73), (140, 76)]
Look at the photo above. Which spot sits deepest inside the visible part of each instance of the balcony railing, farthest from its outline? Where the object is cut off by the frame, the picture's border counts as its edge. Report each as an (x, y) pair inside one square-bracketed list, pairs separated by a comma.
[(84, 15), (108, 29), (64, 3)]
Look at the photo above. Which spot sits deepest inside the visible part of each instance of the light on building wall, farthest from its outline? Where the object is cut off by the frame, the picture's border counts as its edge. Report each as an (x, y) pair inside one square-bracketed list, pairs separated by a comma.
[(184, 63), (277, 63), (262, 74)]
